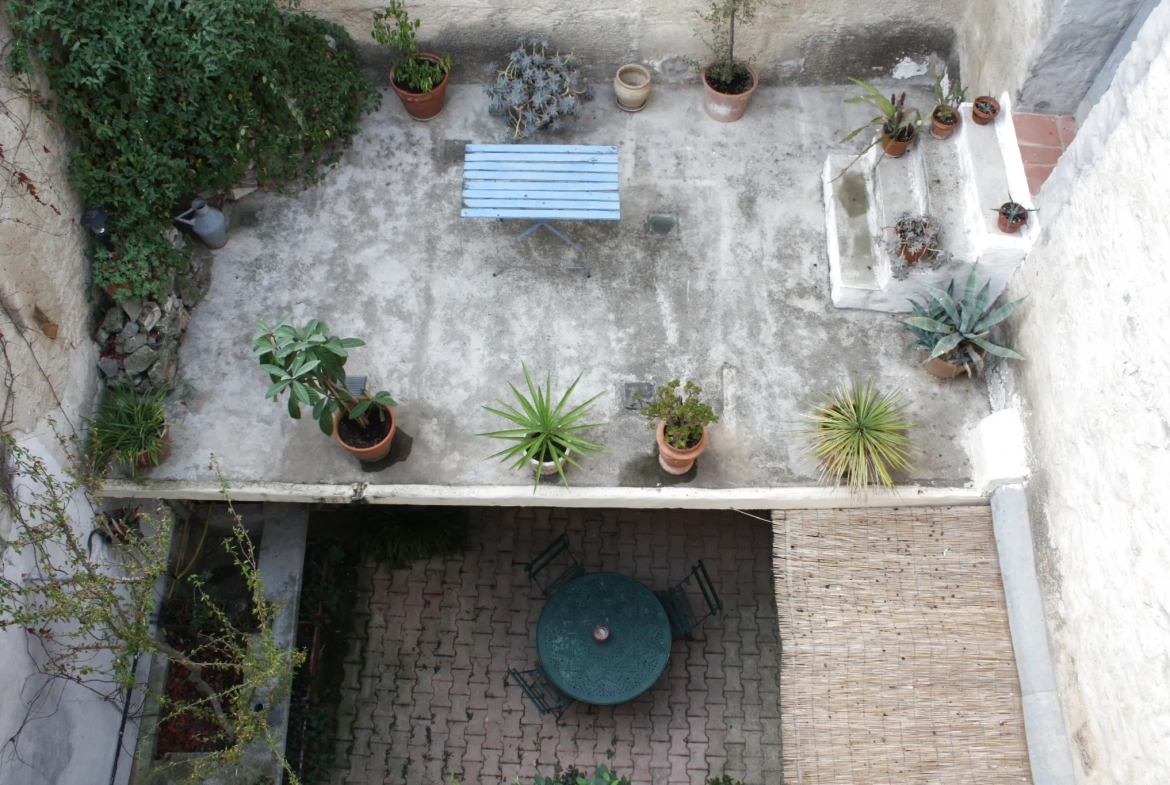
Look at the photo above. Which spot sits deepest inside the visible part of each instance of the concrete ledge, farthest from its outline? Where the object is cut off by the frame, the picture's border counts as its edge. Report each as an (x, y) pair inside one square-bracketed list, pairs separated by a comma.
[(792, 498)]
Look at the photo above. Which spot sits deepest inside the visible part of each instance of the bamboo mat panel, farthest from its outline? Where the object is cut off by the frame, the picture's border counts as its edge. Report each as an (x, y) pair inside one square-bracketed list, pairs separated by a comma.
[(896, 663)]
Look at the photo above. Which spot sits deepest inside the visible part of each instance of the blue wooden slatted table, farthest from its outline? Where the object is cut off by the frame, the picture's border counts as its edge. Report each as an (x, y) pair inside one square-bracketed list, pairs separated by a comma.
[(542, 182)]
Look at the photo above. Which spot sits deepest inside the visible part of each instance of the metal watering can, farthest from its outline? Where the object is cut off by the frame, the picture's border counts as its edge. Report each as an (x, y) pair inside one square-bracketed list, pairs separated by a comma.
[(209, 224)]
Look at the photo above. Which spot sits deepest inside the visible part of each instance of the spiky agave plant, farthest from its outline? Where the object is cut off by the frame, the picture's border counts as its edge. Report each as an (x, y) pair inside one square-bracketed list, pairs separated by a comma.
[(956, 329), (545, 432), (858, 435)]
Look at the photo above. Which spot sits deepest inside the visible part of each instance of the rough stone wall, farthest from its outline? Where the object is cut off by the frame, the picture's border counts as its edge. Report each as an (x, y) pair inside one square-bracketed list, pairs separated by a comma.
[(1097, 407), (794, 41)]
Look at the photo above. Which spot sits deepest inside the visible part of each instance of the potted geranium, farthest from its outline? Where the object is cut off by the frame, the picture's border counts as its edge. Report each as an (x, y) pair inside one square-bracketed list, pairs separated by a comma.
[(954, 333), (898, 123), (680, 424), (419, 78), (545, 435), (945, 117), (728, 84), (309, 364)]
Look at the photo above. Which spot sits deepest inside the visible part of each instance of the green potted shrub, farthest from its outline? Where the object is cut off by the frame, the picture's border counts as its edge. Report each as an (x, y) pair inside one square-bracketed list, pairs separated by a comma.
[(130, 428), (945, 117), (953, 333), (680, 423), (309, 364), (537, 90), (728, 83), (898, 123), (419, 78), (545, 435), (858, 436)]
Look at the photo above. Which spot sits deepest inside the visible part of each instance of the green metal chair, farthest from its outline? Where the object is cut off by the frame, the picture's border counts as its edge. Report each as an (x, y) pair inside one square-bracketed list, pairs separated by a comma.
[(554, 567), (676, 601), (539, 689)]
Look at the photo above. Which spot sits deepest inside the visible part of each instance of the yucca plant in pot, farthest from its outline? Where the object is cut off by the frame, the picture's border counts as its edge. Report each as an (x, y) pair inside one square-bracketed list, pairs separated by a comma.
[(546, 435), (419, 78), (857, 434), (680, 423), (130, 428), (898, 122), (953, 334), (309, 364)]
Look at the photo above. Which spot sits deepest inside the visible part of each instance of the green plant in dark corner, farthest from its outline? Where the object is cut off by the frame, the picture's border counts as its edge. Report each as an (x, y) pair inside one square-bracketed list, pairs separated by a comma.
[(393, 27), (572, 776), (947, 99), (685, 416), (309, 364), (723, 72), (857, 434), (955, 330), (545, 432), (129, 425), (724, 780), (139, 262)]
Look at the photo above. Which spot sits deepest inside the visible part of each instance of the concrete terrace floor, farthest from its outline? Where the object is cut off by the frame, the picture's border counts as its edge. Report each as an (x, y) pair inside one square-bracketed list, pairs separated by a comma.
[(736, 299)]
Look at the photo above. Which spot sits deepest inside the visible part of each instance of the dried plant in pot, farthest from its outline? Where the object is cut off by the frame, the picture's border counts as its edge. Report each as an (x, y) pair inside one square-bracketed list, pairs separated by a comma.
[(130, 428), (897, 122), (546, 434), (857, 434), (952, 333), (309, 364), (537, 90), (680, 423), (915, 235), (945, 117), (1012, 215), (984, 110), (419, 78)]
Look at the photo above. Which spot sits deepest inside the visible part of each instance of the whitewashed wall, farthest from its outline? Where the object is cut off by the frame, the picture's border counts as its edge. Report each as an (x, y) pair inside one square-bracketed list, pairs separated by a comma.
[(1096, 389)]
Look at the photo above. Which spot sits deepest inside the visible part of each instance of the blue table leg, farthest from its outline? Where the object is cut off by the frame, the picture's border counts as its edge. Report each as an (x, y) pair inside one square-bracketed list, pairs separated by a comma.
[(527, 232)]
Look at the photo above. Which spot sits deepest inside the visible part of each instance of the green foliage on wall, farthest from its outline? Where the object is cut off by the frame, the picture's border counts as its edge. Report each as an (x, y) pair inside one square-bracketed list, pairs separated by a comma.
[(168, 98)]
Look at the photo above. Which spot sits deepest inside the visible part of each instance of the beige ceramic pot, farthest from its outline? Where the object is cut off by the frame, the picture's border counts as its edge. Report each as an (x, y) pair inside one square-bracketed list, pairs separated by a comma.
[(673, 460), (632, 85), (724, 108)]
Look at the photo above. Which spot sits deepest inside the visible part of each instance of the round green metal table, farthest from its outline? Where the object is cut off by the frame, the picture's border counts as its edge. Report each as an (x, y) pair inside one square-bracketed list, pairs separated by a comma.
[(606, 672)]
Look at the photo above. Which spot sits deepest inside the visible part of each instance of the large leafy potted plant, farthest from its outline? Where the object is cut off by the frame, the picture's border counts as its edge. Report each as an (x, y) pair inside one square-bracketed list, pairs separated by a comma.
[(545, 435), (728, 84), (130, 428), (898, 123), (858, 435), (953, 334), (680, 423), (419, 78), (309, 364)]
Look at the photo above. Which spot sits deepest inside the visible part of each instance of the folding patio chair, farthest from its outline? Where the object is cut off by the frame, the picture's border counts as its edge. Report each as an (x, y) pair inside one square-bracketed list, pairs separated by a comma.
[(541, 691), (676, 601), (554, 567)]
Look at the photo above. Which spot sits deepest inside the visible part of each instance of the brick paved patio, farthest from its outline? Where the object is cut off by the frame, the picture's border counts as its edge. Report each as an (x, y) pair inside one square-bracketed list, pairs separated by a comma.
[(425, 692)]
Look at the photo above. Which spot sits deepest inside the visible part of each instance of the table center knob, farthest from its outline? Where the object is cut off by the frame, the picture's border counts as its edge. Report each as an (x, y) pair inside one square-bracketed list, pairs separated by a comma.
[(601, 633)]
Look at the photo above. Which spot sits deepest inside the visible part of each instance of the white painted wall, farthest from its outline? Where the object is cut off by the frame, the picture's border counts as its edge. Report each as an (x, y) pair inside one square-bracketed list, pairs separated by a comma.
[(1096, 389)]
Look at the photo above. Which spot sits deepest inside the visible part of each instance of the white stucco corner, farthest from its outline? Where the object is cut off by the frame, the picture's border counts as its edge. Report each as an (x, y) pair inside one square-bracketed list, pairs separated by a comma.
[(997, 450)]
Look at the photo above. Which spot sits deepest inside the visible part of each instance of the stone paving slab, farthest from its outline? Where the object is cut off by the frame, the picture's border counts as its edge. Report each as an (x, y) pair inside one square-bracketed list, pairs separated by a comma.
[(425, 690)]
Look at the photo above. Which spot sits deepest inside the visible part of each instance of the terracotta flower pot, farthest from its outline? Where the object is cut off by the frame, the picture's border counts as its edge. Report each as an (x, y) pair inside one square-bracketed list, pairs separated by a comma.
[(724, 108), (1013, 226), (369, 454), (941, 130), (943, 369), (981, 117), (673, 460), (894, 148), (911, 256), (144, 460), (632, 85), (423, 106)]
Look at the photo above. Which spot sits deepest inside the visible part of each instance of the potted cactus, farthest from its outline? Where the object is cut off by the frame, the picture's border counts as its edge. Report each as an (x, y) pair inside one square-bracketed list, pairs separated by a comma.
[(984, 110), (1012, 215), (309, 364), (419, 78), (680, 424)]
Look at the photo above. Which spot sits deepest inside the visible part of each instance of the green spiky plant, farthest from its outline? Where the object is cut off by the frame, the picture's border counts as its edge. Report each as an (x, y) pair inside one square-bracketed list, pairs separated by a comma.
[(947, 107), (956, 329), (544, 432), (858, 435), (130, 424)]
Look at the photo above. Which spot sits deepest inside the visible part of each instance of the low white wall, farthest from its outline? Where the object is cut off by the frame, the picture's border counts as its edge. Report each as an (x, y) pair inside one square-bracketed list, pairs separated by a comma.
[(1097, 409)]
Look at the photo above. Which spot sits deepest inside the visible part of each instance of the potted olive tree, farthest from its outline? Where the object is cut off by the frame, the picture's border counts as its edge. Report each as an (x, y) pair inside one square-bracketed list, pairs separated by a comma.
[(728, 84), (680, 424), (309, 364), (419, 78)]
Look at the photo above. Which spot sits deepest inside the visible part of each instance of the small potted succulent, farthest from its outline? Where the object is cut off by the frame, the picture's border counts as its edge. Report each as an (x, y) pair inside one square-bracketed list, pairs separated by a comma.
[(984, 110), (537, 90), (632, 85), (728, 84), (898, 123), (857, 434), (545, 435), (680, 425), (309, 364), (945, 117), (953, 334), (130, 428), (419, 78), (1012, 215), (915, 235)]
